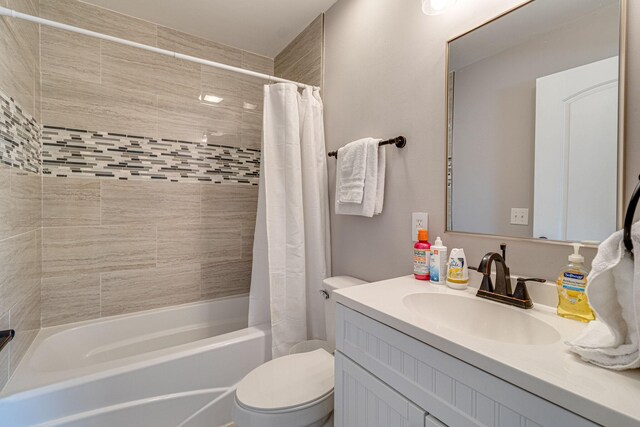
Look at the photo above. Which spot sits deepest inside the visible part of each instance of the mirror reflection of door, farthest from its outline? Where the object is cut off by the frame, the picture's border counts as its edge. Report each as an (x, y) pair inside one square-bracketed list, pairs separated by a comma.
[(533, 115), (576, 153)]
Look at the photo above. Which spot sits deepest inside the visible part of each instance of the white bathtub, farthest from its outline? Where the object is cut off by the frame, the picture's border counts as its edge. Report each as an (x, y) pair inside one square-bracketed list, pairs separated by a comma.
[(169, 367)]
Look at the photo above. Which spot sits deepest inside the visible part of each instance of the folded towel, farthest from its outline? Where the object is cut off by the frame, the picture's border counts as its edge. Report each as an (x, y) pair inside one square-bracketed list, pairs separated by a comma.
[(382, 172), (351, 171), (372, 201), (613, 291)]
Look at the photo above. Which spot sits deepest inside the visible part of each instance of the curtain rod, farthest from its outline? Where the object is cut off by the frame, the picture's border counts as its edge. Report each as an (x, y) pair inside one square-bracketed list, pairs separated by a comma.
[(19, 15)]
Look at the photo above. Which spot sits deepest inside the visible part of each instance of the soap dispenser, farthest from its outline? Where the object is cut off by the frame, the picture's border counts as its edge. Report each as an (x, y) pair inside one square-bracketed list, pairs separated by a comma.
[(572, 283)]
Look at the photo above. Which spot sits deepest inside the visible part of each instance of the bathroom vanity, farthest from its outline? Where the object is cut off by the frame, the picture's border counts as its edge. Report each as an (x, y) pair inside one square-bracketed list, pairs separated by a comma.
[(415, 354)]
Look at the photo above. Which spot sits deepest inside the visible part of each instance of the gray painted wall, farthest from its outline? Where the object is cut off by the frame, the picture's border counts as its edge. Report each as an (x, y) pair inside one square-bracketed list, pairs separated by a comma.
[(494, 121), (385, 76)]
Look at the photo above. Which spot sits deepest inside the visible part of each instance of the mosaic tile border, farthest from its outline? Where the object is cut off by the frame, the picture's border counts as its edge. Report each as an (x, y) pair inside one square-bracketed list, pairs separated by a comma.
[(19, 136), (74, 152)]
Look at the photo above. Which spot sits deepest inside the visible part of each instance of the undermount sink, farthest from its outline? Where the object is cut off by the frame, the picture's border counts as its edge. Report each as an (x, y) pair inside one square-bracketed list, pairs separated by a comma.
[(480, 318)]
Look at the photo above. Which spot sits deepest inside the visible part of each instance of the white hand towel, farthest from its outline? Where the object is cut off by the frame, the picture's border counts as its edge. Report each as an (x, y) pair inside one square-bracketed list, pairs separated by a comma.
[(613, 340), (351, 171), (382, 171), (369, 202)]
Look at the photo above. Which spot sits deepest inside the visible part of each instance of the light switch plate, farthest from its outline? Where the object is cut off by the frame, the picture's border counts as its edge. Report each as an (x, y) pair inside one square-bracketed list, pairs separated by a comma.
[(419, 221), (519, 216)]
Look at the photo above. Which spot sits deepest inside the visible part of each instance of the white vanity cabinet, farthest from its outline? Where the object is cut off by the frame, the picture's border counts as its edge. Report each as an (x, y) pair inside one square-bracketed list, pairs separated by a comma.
[(386, 378)]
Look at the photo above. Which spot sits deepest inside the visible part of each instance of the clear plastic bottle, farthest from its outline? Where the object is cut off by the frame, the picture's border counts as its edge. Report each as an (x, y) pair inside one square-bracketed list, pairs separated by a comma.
[(422, 256), (438, 263), (572, 283)]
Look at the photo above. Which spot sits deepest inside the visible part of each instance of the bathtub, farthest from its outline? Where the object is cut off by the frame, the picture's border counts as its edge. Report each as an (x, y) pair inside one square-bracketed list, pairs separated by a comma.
[(176, 366)]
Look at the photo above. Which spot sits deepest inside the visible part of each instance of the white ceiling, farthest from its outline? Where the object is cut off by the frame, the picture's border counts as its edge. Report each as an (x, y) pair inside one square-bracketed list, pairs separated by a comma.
[(520, 26), (260, 26)]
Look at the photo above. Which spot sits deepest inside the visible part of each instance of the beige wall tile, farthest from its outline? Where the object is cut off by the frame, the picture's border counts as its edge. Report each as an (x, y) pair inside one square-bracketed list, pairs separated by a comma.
[(70, 202), (224, 279), (38, 92), (248, 231), (126, 292), (251, 131), (71, 55), (25, 319), (252, 93), (20, 272), (258, 63), (71, 12), (181, 118), (227, 199), (70, 103), (187, 44), (224, 84), (128, 112), (149, 202), (19, 52), (26, 33), (4, 355), (229, 140), (86, 250), (222, 119), (31, 7), (70, 299), (20, 199), (126, 27), (248, 225), (97, 19), (129, 68), (307, 70), (222, 203), (199, 243), (308, 42)]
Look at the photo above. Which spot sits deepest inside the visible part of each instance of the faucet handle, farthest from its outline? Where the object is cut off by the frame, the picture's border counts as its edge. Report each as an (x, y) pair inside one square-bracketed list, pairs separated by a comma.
[(521, 291), (503, 250)]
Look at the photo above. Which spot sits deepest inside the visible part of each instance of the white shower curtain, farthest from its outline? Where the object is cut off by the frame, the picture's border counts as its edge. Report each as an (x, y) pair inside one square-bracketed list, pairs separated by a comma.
[(291, 254)]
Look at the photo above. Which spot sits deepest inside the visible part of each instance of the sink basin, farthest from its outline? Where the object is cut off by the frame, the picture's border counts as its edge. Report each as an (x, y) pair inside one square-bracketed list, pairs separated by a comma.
[(480, 318)]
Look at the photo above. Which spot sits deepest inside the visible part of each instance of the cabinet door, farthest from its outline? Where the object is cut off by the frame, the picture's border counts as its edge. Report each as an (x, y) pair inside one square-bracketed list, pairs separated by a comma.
[(454, 391), (362, 400)]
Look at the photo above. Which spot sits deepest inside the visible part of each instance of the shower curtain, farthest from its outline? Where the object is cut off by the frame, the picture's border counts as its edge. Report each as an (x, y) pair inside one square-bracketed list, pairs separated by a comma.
[(291, 253)]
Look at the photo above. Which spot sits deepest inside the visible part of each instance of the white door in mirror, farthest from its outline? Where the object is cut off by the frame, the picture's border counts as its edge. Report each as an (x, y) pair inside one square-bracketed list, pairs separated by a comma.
[(576, 153)]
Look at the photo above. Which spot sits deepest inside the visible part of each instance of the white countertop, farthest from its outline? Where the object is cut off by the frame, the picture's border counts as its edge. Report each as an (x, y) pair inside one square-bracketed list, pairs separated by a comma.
[(550, 371)]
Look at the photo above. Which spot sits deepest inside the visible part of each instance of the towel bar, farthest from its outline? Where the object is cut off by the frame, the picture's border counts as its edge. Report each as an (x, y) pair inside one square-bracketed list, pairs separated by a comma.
[(628, 219), (5, 337), (399, 142)]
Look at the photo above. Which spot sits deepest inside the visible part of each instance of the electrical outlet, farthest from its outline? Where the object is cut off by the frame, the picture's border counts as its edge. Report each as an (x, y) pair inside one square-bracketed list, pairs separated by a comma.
[(519, 216), (419, 221)]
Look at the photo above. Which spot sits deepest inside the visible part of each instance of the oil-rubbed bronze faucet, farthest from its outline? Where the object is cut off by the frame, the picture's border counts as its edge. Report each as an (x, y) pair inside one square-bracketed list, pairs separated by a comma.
[(503, 277), (502, 290)]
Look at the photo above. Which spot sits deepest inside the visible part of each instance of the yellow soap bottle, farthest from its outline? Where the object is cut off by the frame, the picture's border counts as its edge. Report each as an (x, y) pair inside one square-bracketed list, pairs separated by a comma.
[(572, 283)]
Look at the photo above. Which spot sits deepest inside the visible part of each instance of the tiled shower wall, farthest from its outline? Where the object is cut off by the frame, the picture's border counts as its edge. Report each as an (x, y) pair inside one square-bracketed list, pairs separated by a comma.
[(302, 59), (20, 184), (149, 193), (148, 197)]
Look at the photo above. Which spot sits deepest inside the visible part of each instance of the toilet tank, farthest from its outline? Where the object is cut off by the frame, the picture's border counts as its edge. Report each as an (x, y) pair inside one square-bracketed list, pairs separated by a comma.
[(329, 285)]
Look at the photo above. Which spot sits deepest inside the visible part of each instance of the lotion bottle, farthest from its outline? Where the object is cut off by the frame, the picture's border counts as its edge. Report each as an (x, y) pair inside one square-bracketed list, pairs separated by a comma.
[(438, 263), (572, 283)]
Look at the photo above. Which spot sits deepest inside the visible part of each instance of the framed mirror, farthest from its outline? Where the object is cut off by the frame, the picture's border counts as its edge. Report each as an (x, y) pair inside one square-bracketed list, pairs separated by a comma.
[(534, 141)]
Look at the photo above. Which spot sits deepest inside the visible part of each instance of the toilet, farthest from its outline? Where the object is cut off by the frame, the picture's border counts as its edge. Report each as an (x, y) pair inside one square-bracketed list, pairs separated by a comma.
[(294, 390)]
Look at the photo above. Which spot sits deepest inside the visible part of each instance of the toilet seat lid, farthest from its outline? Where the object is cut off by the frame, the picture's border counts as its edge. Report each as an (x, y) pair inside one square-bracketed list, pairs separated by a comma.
[(288, 382)]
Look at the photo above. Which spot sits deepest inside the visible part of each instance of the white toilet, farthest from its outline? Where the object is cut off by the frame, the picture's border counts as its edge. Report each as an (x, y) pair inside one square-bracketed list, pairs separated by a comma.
[(294, 390)]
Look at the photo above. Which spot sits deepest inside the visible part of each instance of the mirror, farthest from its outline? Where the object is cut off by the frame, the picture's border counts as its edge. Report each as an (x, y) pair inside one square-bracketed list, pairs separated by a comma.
[(533, 123)]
